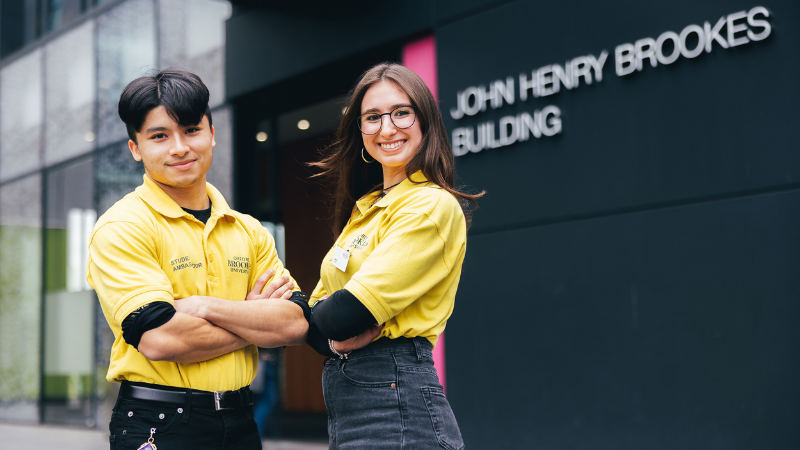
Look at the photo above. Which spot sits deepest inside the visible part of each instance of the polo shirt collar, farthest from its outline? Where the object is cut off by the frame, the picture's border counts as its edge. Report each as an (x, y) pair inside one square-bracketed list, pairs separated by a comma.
[(154, 196), (406, 185)]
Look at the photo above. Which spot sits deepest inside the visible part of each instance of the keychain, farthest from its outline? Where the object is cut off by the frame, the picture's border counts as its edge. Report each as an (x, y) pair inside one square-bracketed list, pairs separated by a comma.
[(149, 444)]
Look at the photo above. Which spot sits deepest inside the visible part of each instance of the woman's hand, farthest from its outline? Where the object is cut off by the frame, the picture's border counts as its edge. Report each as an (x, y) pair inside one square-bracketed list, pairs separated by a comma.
[(360, 341)]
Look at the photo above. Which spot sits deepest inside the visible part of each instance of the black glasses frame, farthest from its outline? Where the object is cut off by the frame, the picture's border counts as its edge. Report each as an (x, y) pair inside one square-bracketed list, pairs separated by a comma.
[(358, 119)]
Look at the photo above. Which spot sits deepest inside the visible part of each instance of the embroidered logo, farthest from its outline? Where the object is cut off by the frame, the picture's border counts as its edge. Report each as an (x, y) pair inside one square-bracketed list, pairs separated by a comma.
[(239, 264), (184, 262), (360, 242)]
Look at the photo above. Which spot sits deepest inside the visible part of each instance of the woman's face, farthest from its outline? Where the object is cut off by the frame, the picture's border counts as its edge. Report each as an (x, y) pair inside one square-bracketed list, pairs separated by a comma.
[(391, 146)]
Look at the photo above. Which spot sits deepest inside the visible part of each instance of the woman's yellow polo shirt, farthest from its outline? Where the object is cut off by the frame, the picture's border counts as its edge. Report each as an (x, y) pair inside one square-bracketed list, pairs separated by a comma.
[(146, 248), (406, 253)]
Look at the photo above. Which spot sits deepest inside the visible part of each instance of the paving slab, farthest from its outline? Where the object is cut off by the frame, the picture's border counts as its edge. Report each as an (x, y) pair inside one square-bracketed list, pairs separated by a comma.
[(48, 437)]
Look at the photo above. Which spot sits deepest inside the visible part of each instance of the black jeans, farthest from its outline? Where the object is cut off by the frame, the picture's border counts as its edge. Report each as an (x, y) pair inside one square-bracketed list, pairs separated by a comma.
[(178, 427)]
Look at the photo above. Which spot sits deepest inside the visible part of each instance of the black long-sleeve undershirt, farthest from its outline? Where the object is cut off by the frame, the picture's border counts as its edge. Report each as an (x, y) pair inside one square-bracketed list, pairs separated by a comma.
[(339, 317), (146, 318)]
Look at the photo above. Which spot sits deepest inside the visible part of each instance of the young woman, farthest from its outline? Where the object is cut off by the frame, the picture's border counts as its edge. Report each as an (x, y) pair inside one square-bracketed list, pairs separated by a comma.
[(396, 262)]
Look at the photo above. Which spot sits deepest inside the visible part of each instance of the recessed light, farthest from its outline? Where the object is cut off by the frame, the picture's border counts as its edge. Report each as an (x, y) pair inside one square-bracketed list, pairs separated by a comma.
[(261, 136), (303, 124), (89, 136)]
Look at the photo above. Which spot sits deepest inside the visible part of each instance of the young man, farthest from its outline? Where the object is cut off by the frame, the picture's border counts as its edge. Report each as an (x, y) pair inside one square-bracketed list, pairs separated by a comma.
[(172, 265)]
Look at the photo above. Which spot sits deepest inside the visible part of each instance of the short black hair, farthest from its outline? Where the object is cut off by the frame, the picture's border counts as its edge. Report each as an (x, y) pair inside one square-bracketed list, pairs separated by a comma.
[(182, 93)]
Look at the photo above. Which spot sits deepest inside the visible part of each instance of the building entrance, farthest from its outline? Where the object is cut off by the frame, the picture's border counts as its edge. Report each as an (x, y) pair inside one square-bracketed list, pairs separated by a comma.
[(279, 189)]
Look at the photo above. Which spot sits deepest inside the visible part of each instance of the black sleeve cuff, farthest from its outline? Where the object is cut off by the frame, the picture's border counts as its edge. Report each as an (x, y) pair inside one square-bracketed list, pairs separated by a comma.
[(342, 316), (146, 318), (301, 299), (318, 341)]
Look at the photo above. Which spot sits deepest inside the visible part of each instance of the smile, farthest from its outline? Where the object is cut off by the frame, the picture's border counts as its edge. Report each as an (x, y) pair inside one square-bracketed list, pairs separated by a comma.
[(183, 165), (392, 146)]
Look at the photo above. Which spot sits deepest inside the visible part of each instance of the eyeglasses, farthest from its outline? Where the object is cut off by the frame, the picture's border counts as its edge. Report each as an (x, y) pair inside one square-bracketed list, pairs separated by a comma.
[(401, 117)]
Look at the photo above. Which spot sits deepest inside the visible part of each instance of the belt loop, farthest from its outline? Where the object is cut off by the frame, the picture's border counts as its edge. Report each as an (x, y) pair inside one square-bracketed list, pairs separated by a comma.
[(418, 348), (187, 408), (115, 409)]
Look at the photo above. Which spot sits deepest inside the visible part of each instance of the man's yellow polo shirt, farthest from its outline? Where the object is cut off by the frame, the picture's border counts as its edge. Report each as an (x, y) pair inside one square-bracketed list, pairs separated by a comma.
[(146, 248), (406, 253)]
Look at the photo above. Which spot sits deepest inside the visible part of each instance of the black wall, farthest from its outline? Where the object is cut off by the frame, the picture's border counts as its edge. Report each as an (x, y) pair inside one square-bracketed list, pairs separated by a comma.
[(272, 44), (631, 282)]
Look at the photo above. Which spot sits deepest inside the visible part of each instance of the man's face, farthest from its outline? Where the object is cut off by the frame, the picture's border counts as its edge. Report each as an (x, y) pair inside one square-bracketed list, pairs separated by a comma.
[(173, 155)]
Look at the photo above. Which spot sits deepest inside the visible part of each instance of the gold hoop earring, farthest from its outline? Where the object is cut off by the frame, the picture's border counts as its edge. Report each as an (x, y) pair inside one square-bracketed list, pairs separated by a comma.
[(365, 159)]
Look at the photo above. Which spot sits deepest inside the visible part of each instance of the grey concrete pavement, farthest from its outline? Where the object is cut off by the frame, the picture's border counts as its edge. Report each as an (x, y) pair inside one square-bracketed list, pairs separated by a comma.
[(41, 437)]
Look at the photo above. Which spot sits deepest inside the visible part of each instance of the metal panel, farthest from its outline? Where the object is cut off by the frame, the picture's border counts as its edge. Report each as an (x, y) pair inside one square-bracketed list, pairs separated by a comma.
[(662, 329)]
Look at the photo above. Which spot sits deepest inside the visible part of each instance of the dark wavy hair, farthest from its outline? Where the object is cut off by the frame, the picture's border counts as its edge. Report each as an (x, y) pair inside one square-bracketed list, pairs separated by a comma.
[(181, 93), (351, 178)]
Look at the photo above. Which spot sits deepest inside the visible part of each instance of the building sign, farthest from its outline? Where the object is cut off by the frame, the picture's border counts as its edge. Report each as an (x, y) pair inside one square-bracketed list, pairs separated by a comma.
[(729, 31)]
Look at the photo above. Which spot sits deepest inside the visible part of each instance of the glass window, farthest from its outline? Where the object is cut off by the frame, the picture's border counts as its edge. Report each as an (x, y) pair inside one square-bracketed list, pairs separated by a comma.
[(19, 25), (116, 175), (221, 172), (20, 298), (192, 36), (62, 12), (21, 116), (69, 303), (126, 50), (69, 94)]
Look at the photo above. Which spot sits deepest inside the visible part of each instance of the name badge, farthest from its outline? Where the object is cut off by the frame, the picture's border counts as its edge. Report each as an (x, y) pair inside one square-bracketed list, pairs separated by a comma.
[(340, 258)]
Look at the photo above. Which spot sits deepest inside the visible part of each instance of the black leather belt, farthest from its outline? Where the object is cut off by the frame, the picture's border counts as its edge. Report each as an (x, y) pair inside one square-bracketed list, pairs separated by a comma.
[(217, 400)]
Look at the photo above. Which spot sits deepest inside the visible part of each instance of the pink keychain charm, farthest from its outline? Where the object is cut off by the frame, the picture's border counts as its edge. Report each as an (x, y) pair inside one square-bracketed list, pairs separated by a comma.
[(149, 445)]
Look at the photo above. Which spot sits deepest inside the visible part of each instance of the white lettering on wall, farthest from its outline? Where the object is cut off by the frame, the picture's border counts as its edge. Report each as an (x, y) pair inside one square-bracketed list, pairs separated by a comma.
[(473, 99), (509, 130), (729, 31), (732, 30)]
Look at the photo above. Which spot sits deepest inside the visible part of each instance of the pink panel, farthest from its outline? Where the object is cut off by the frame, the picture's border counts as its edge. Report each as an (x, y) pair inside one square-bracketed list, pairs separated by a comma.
[(420, 56)]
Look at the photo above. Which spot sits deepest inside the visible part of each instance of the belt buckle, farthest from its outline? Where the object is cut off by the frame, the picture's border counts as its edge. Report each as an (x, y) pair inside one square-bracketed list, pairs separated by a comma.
[(217, 396)]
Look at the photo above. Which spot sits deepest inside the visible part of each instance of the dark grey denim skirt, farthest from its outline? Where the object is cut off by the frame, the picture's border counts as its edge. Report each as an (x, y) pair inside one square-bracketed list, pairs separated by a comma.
[(388, 396)]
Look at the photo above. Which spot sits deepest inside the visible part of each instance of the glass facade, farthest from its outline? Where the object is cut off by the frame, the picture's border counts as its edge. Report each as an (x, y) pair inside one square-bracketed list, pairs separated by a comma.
[(219, 174), (69, 302), (69, 93), (64, 160), (192, 37), (20, 298), (126, 50), (21, 116), (22, 22)]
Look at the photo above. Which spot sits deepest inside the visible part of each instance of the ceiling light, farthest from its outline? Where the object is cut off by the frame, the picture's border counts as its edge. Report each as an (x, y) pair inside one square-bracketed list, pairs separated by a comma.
[(303, 124), (261, 136), (89, 136)]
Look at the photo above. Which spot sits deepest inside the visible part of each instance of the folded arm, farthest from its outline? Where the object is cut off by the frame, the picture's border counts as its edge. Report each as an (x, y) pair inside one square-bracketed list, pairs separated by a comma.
[(343, 319), (187, 339), (265, 322), (265, 319)]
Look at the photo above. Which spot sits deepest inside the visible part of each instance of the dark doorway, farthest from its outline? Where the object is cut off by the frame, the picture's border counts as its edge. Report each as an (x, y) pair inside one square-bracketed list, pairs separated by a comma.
[(308, 238), (279, 130)]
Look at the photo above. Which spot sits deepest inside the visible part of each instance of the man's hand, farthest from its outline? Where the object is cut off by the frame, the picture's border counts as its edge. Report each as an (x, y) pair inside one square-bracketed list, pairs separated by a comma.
[(360, 341), (279, 288)]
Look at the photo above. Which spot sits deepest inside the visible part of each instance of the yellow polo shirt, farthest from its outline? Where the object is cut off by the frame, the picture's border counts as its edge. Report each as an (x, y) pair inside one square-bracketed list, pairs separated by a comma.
[(406, 253), (146, 248)]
